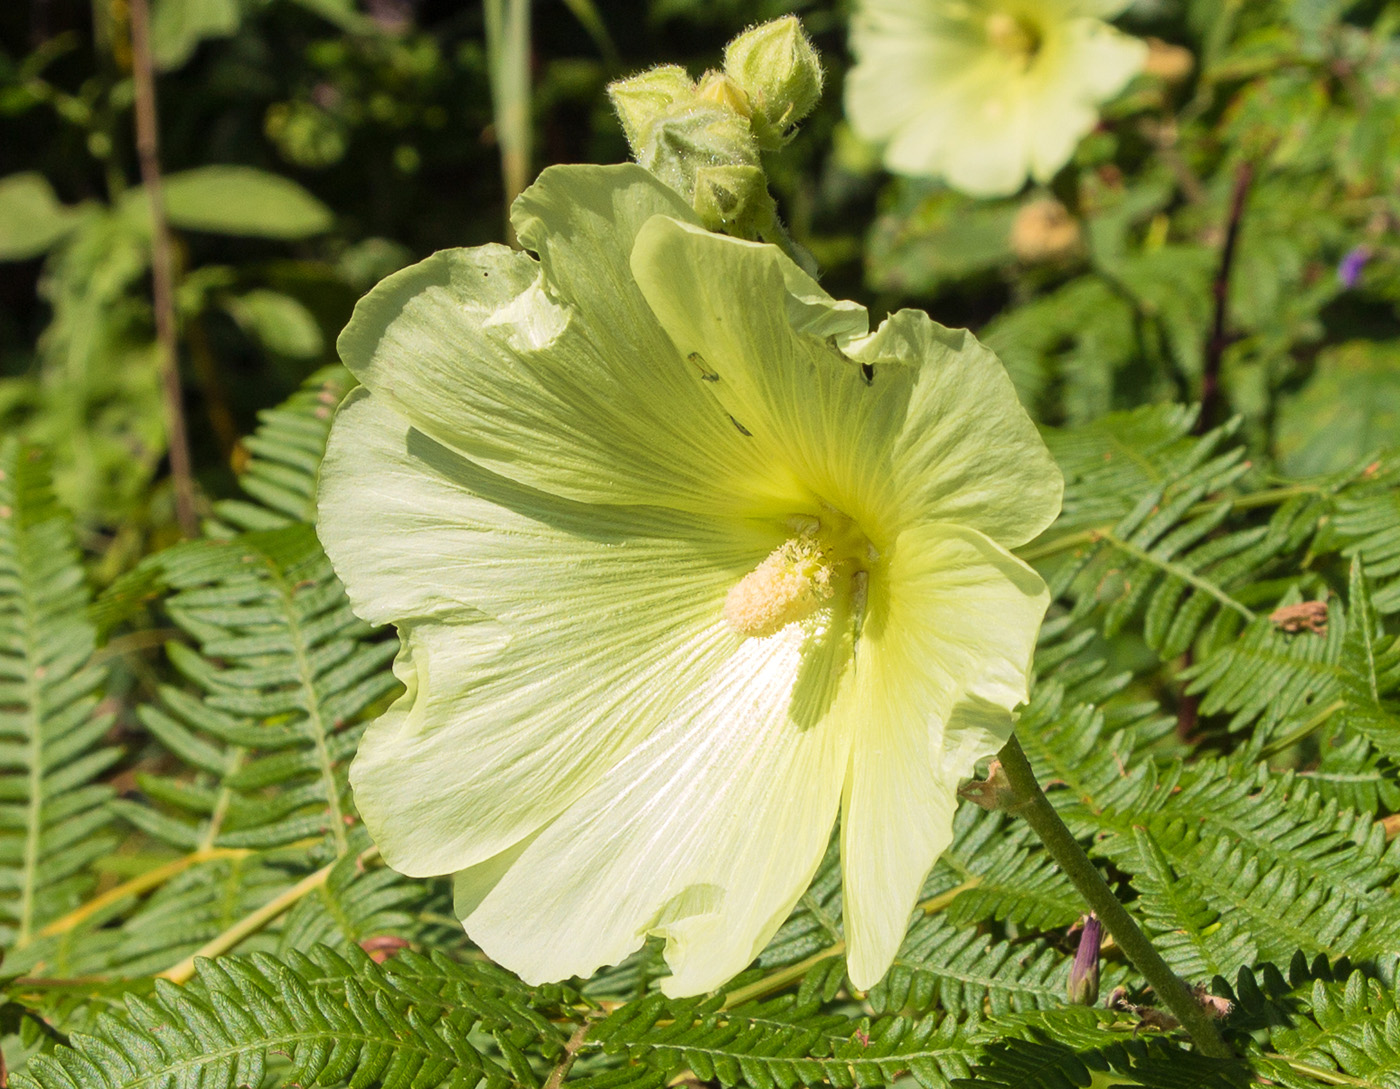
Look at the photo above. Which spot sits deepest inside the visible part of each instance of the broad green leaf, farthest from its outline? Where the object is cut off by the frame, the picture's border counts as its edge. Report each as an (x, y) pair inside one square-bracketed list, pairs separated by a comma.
[(281, 323), (32, 220), (342, 13), (178, 26), (239, 200)]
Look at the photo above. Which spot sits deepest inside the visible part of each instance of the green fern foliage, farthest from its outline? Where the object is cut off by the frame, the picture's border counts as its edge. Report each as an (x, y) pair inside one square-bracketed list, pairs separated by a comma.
[(1003, 875), (1270, 680), (283, 671), (1369, 678), (783, 1044), (1367, 525), (278, 676), (1325, 1023), (323, 1018), (283, 456), (54, 823), (959, 969)]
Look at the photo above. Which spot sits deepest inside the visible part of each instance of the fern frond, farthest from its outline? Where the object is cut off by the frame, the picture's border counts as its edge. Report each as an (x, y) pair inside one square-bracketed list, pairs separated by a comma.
[(1284, 865), (284, 455), (1197, 940), (1077, 1046), (1323, 1025), (1147, 530), (1337, 687), (1288, 869), (53, 818), (1366, 524), (1097, 764), (412, 1023), (1271, 680), (1016, 882), (285, 672), (1350, 772), (358, 903), (1110, 463), (961, 970), (782, 1044), (131, 938), (1370, 673), (283, 675)]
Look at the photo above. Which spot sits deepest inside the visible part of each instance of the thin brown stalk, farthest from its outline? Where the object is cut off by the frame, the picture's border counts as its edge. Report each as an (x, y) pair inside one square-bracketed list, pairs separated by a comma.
[(571, 1050), (162, 267), (1219, 332)]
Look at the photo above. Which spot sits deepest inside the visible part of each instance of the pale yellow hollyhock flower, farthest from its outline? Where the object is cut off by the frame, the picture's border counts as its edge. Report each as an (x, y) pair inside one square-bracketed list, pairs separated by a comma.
[(984, 92), (684, 562)]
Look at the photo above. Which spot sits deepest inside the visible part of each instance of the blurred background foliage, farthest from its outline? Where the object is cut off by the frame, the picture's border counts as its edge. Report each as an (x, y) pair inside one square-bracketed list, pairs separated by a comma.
[(313, 146)]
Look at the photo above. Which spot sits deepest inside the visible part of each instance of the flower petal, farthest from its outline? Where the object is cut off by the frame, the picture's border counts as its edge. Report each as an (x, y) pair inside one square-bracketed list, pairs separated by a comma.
[(1088, 63), (1099, 60), (944, 658), (967, 453), (932, 432), (543, 639), (552, 375), (947, 101), (705, 834)]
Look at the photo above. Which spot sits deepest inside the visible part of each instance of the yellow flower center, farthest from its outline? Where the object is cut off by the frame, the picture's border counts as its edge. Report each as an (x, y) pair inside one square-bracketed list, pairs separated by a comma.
[(801, 575), (1015, 36)]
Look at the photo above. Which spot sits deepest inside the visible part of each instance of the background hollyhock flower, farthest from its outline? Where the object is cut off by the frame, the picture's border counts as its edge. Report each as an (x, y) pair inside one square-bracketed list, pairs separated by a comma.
[(984, 92), (683, 562)]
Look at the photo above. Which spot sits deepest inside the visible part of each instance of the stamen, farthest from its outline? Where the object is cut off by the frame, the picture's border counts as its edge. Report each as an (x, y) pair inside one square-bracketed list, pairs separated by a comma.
[(1016, 37), (790, 585)]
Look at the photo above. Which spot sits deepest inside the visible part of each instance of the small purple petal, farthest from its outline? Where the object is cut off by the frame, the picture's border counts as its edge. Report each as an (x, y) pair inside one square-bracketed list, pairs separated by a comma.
[(1349, 271)]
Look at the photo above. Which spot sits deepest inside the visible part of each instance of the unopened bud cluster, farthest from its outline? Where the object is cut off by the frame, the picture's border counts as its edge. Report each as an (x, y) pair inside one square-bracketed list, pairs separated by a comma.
[(704, 138)]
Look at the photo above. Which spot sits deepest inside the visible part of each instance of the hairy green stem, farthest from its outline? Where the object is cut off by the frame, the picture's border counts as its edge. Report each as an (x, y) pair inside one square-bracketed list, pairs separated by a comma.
[(1027, 800)]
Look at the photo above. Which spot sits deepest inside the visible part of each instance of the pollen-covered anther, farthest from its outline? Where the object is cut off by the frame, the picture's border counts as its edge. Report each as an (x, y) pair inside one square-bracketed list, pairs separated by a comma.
[(790, 585)]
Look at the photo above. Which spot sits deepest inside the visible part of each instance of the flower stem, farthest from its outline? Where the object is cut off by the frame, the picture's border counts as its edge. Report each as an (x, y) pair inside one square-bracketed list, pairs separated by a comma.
[(1027, 800)]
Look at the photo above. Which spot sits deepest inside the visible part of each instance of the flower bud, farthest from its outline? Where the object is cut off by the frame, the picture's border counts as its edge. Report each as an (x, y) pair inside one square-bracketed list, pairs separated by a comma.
[(644, 99), (1043, 230), (718, 88), (1084, 972), (776, 66), (733, 199), (698, 137), (1348, 273), (1167, 62)]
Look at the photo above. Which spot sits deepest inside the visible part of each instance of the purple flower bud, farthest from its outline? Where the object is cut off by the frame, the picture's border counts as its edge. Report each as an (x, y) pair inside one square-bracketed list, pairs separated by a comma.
[(1084, 972), (1349, 270)]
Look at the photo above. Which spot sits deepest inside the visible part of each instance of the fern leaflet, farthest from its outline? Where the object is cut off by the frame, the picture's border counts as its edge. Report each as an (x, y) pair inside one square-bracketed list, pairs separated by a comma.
[(54, 823)]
